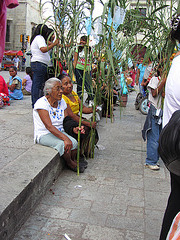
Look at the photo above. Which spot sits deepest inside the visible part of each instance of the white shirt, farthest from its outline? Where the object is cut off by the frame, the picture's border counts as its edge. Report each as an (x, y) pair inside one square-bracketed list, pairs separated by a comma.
[(153, 84), (16, 60), (56, 116), (37, 54), (172, 91)]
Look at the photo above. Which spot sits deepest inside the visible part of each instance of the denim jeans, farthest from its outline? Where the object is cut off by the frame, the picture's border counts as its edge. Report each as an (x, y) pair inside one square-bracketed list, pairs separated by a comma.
[(153, 142), (88, 83), (39, 77)]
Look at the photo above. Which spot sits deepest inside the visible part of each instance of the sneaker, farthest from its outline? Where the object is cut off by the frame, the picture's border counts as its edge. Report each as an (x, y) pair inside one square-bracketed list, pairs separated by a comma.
[(152, 167)]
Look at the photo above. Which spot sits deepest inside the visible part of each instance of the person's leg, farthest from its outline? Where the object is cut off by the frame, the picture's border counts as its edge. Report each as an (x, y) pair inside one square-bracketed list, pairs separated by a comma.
[(88, 85), (79, 77), (141, 89), (152, 143), (173, 206), (39, 77), (50, 140)]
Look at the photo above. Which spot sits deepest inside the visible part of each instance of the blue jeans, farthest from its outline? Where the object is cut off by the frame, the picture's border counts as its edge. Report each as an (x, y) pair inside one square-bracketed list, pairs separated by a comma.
[(40, 75), (153, 142), (88, 83)]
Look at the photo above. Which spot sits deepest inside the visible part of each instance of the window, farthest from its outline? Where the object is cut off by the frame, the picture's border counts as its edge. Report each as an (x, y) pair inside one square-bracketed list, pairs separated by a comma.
[(8, 30)]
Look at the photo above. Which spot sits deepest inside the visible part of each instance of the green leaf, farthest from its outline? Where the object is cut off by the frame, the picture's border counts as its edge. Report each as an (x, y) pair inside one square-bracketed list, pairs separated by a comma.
[(110, 58)]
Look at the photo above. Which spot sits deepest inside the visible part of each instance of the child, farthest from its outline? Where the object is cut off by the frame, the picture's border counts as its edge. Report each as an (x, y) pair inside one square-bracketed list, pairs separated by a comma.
[(153, 123), (27, 82)]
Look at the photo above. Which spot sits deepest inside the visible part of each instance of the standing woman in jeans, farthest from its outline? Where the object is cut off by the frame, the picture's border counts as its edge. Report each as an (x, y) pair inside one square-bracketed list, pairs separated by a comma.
[(40, 59)]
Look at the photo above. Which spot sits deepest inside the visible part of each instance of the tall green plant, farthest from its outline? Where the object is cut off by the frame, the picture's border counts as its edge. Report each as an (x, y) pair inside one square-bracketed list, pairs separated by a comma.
[(115, 45)]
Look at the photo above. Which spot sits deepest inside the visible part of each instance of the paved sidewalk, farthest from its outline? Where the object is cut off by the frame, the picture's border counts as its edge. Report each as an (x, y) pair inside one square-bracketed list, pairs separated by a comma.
[(116, 198)]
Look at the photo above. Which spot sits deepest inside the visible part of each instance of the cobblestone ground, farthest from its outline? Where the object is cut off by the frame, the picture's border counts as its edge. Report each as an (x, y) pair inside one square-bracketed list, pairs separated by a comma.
[(116, 198)]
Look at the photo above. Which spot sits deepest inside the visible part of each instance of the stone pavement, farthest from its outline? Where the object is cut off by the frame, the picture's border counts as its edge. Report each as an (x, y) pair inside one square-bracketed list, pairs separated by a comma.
[(116, 198)]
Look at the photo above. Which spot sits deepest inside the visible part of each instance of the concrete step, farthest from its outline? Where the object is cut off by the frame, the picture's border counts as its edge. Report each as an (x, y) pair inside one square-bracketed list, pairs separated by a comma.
[(23, 183)]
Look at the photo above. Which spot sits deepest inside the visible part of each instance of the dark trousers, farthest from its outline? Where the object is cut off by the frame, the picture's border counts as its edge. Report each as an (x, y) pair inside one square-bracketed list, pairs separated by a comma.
[(173, 206), (39, 78), (87, 84)]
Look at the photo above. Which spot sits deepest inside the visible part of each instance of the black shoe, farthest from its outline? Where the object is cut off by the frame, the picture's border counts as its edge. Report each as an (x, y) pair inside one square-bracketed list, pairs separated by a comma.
[(83, 164), (81, 169)]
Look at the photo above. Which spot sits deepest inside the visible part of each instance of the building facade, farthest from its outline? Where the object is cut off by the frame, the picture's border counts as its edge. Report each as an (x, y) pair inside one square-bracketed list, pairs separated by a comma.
[(20, 23)]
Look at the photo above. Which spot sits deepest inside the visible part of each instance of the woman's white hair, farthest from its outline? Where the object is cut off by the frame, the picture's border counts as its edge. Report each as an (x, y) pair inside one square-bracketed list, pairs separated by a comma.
[(49, 84)]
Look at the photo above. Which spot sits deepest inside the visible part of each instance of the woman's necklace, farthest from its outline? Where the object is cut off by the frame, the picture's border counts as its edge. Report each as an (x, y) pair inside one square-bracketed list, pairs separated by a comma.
[(55, 112)]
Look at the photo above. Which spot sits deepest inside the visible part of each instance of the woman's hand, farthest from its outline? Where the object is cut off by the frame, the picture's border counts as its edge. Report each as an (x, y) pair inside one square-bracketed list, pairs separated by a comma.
[(67, 145), (76, 129), (12, 87)]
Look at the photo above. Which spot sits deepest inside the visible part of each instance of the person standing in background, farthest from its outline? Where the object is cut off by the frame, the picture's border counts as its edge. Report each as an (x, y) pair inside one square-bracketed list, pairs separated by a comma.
[(79, 62), (40, 59), (140, 74), (16, 61)]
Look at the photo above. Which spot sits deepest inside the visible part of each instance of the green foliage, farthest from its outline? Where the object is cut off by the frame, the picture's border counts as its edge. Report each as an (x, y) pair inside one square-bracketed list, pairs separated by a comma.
[(151, 30)]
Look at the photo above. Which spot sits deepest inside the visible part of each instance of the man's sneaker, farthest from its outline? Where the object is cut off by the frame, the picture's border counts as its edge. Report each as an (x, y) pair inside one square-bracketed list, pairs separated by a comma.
[(153, 167)]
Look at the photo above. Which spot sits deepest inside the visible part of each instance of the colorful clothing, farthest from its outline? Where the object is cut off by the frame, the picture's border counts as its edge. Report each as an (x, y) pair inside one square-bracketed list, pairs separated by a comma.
[(73, 105), (3, 86), (142, 69), (3, 12), (17, 93), (28, 83), (81, 60)]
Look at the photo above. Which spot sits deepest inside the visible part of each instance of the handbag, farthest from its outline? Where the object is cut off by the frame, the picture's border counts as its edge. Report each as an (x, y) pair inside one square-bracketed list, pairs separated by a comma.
[(11, 3)]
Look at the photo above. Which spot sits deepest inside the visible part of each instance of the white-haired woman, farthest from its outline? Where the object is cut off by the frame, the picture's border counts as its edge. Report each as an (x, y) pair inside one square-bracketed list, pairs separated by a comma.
[(48, 114)]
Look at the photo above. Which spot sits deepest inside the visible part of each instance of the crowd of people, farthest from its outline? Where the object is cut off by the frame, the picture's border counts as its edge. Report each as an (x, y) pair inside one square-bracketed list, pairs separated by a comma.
[(56, 107)]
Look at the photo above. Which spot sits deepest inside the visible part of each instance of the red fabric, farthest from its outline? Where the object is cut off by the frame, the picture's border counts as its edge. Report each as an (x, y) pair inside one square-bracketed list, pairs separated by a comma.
[(3, 11), (133, 76), (3, 86), (11, 3)]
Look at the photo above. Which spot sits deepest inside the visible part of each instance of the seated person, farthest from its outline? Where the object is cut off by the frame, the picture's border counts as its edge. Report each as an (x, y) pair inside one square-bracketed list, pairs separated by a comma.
[(3, 92), (74, 102), (48, 115), (27, 82), (14, 85), (3, 86)]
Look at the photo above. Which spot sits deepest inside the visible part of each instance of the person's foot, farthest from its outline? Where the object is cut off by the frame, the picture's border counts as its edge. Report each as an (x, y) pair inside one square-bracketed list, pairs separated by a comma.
[(152, 167), (74, 169), (83, 162)]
